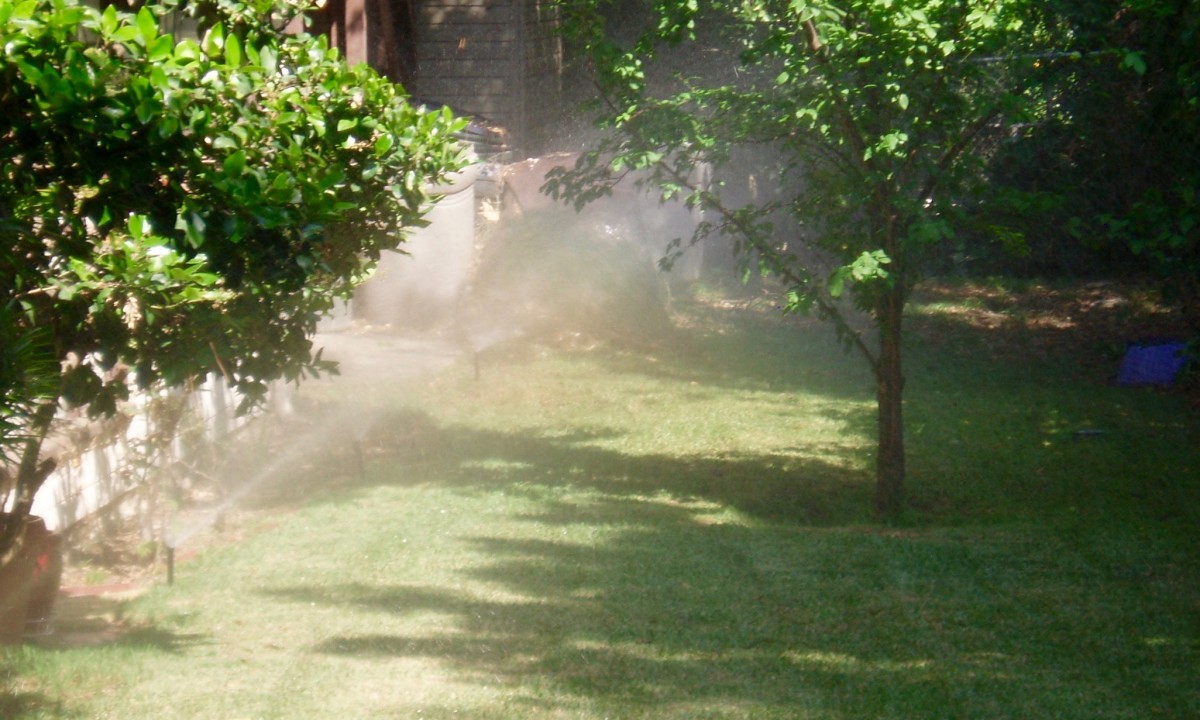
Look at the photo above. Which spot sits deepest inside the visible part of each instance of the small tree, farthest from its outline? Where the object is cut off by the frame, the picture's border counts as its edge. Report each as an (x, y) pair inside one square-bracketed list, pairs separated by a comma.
[(871, 115), (174, 207)]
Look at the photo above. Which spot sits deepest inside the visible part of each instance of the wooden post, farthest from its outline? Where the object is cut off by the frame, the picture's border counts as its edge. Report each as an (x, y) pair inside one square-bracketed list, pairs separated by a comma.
[(357, 32)]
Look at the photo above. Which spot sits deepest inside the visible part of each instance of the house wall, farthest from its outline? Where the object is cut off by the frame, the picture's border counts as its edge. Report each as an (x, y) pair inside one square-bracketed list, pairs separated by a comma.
[(542, 85), (500, 59)]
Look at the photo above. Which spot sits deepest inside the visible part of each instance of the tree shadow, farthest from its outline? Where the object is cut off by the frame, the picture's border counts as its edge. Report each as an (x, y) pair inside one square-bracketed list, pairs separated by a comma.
[(1085, 325), (19, 704), (100, 621), (741, 344), (638, 622), (740, 584), (669, 616), (81, 623), (782, 486), (805, 483)]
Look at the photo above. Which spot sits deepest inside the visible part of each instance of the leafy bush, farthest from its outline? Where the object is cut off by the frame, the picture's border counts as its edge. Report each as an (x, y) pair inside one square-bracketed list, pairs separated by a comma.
[(173, 207)]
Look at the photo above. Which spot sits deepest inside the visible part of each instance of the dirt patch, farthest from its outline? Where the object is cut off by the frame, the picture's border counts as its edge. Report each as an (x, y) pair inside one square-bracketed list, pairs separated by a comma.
[(1057, 316), (89, 616), (1090, 324)]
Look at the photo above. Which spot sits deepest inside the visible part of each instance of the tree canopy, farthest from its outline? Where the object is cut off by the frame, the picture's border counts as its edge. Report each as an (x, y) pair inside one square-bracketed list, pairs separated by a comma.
[(172, 207), (870, 120)]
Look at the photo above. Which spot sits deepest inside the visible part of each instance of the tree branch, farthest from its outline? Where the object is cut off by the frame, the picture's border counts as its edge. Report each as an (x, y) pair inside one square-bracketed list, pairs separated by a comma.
[(827, 307), (953, 152), (30, 475)]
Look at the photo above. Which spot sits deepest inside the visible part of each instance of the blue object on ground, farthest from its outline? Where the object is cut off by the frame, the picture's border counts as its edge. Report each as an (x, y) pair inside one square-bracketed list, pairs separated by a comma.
[(1152, 363)]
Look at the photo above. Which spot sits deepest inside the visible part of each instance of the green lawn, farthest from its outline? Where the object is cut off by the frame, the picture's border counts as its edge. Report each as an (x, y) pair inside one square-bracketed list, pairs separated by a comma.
[(678, 527)]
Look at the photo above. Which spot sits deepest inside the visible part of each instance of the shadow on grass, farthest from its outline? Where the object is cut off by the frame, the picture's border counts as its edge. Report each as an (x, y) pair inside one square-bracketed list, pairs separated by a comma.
[(672, 618), (15, 704), (81, 624), (812, 482), (668, 606), (746, 345), (98, 620), (1088, 325), (640, 624), (323, 449), (659, 603), (407, 447), (665, 605)]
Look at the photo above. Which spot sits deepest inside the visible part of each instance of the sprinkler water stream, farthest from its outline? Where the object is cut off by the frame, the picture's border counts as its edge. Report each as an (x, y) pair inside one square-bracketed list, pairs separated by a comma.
[(317, 437), (482, 340)]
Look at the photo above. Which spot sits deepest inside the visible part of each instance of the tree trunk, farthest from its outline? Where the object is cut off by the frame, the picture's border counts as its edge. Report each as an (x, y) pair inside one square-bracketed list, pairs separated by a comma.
[(31, 473), (889, 376)]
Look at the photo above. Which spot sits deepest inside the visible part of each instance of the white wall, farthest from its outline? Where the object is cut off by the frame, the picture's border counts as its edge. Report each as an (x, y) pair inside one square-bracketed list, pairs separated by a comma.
[(107, 472)]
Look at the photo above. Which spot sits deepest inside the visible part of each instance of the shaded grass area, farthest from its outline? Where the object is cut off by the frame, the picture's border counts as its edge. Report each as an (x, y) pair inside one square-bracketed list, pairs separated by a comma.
[(681, 530)]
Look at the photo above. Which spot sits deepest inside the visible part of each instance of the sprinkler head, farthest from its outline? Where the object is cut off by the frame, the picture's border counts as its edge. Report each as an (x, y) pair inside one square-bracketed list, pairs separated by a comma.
[(170, 564)]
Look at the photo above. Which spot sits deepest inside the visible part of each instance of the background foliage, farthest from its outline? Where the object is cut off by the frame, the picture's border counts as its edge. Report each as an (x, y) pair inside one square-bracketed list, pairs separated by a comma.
[(1105, 179)]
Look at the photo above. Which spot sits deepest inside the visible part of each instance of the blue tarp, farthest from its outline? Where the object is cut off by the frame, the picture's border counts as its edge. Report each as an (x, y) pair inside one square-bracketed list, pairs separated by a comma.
[(1155, 363)]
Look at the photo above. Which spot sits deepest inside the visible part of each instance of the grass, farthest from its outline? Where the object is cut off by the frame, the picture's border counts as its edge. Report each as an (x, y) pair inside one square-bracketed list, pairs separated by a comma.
[(678, 527)]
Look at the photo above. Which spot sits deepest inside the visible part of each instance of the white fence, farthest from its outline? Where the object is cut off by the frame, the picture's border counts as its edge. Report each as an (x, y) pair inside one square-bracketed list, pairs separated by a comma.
[(118, 465)]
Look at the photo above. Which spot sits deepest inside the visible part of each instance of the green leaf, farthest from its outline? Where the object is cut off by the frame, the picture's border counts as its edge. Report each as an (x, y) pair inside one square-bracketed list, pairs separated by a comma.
[(187, 49), (145, 111), (893, 140), (1134, 61), (837, 281), (318, 124), (136, 226), (869, 266), (126, 34), (108, 20), (32, 73), (214, 40), (160, 49), (235, 164), (268, 60), (233, 50), (384, 143), (25, 10), (147, 25)]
